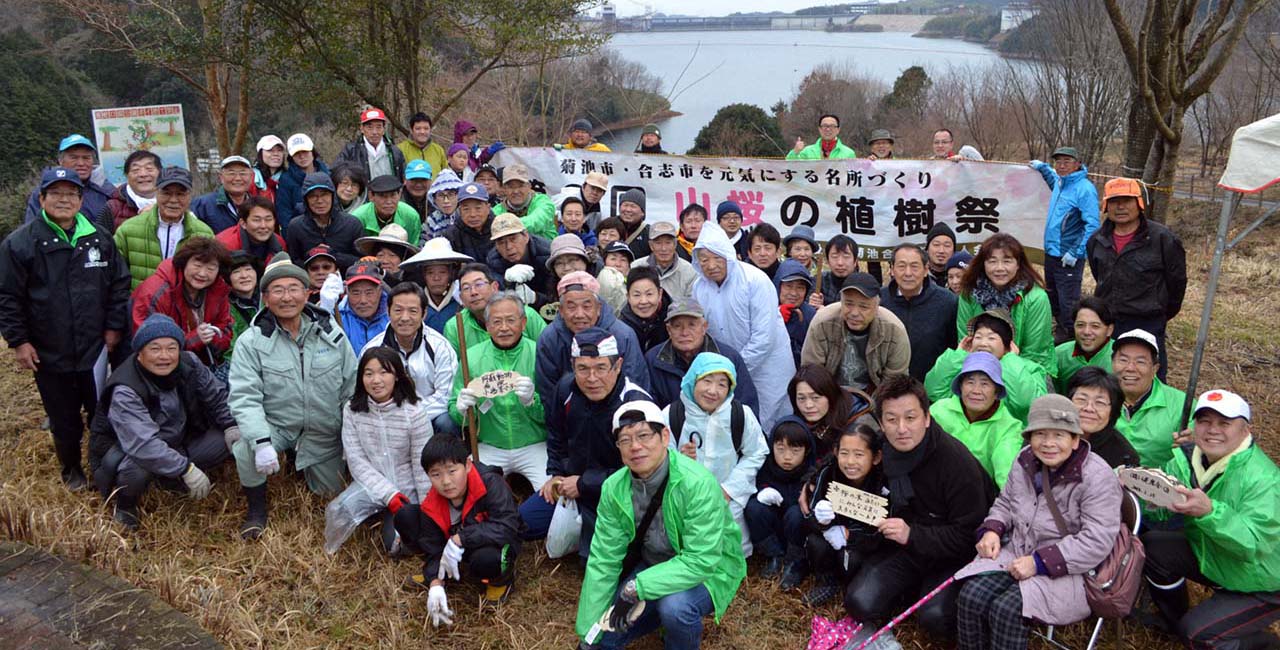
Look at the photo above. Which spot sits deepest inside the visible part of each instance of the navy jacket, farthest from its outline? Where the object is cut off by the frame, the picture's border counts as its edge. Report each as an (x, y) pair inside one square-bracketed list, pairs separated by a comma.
[(666, 369), (341, 234), (215, 210), (580, 433), (553, 363), (289, 192), (930, 319)]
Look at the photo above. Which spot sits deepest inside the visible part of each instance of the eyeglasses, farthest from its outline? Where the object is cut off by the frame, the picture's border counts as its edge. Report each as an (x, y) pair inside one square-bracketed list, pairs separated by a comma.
[(1123, 361), (1100, 405), (828, 126), (478, 285), (593, 371), (280, 292), (642, 438)]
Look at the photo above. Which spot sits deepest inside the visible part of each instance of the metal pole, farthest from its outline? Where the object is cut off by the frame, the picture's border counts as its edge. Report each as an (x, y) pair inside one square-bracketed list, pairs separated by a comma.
[(1220, 246)]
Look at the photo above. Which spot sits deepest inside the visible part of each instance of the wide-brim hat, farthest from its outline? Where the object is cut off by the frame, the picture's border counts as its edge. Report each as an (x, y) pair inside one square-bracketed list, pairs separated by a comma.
[(435, 251), (392, 234)]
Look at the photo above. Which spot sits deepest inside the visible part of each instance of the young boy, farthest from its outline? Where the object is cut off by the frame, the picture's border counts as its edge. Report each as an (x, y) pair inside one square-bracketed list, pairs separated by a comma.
[(842, 261), (468, 517), (773, 513)]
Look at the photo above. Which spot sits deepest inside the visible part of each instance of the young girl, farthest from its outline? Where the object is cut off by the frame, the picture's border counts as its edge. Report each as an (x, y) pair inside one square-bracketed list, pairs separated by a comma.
[(837, 545), (444, 199), (573, 219), (702, 424), (383, 433), (773, 514)]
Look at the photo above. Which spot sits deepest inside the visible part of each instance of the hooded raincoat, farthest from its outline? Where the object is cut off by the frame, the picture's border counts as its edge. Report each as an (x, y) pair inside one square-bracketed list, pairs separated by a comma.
[(1024, 380)]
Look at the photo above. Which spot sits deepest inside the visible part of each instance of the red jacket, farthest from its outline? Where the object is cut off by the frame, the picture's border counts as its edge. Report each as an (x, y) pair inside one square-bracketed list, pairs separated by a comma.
[(162, 294), (233, 238), (120, 207)]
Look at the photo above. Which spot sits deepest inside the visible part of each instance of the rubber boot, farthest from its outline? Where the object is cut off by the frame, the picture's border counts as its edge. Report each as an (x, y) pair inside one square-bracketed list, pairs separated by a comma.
[(255, 521), (126, 513), (796, 568)]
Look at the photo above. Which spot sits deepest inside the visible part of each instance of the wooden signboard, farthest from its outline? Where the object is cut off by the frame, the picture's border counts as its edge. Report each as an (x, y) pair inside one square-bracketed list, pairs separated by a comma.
[(855, 504), (494, 383), (1151, 485)]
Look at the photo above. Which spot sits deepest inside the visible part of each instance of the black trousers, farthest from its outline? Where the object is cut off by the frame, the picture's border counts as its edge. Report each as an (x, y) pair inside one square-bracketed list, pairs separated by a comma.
[(67, 396), (891, 581), (492, 565), (1227, 620), (207, 451)]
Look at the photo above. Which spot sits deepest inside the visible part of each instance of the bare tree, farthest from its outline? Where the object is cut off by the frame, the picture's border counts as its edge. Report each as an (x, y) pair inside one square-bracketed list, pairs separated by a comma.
[(1245, 92), (839, 90)]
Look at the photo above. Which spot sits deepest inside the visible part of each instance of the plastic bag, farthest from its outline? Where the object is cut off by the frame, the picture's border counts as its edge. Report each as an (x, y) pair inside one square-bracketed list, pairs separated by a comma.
[(347, 511), (566, 526)]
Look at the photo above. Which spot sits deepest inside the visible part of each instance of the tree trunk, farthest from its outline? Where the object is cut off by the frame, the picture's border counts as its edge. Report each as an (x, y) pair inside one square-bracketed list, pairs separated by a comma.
[(1141, 134), (1168, 176)]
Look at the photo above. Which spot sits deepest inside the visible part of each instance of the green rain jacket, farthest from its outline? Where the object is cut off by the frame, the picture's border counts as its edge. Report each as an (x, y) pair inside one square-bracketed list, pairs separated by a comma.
[(1151, 429), (1032, 325), (506, 424), (533, 326), (1069, 363), (995, 441), (405, 215), (1024, 380), (814, 152), (539, 216)]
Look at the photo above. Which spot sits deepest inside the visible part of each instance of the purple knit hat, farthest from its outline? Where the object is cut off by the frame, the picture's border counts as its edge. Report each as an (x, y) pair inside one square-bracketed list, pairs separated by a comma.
[(455, 148)]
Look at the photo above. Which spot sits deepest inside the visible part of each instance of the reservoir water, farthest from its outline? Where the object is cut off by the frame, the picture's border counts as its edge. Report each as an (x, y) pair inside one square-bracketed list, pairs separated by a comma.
[(763, 67)]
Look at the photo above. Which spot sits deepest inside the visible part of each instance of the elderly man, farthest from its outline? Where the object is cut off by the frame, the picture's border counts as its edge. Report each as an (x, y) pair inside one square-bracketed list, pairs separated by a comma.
[(363, 312), (219, 209), (859, 341), (580, 137), (435, 269), (372, 151), (156, 233), (476, 284), (64, 297), (521, 259), (427, 355), (880, 142), (385, 207), (650, 140), (631, 206), (682, 575), (323, 223), (78, 154), (1230, 540), (687, 338), (927, 310), (291, 372), (1093, 324), (828, 146), (471, 233), (163, 416), (536, 210), (1152, 414), (141, 171), (675, 273), (1072, 220), (741, 305), (580, 449), (1140, 265), (991, 332), (580, 309)]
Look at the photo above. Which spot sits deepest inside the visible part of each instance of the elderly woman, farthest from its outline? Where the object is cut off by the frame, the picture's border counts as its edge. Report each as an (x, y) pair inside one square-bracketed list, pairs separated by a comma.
[(975, 414), (1001, 277), (189, 288), (1056, 519)]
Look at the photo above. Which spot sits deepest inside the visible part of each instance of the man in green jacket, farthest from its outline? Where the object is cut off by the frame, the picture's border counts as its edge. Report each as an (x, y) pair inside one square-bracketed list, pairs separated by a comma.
[(154, 235), (688, 562), (1152, 414), (1093, 324), (385, 207), (991, 331), (1230, 541), (476, 284), (828, 146), (291, 373), (536, 210), (419, 146)]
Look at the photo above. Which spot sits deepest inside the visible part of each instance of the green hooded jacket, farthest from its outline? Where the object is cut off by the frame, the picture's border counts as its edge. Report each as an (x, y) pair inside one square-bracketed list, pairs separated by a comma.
[(1151, 429), (533, 326), (1024, 380), (1069, 363), (1238, 544), (814, 152), (995, 441), (707, 542), (140, 246), (507, 424), (405, 215), (1032, 326), (539, 217)]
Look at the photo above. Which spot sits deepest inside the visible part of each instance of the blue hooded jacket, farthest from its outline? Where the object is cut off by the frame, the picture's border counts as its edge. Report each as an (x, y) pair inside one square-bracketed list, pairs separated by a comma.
[(798, 323), (1073, 211), (360, 331)]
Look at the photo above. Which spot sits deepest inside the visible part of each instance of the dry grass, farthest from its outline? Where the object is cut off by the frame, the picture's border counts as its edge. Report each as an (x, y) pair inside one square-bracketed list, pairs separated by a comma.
[(284, 592)]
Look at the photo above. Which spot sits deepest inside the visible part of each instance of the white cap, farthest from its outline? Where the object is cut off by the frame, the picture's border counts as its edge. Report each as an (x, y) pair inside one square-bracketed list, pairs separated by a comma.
[(1142, 336), (268, 141), (300, 142), (648, 412), (1226, 403), (235, 160)]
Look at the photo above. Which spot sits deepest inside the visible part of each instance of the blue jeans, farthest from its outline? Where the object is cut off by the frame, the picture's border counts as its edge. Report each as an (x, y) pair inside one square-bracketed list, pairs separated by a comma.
[(444, 424), (774, 528), (679, 615), (1062, 283)]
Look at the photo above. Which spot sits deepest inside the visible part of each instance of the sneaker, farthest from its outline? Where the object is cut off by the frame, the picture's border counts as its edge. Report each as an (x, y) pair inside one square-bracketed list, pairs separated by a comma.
[(824, 589), (794, 573), (772, 568)]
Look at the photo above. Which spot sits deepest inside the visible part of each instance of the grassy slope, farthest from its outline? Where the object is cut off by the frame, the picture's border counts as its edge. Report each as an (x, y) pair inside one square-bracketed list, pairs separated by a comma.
[(286, 593)]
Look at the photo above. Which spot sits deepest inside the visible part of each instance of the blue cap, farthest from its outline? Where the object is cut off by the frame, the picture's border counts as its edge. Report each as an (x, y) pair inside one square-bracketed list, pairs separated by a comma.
[(985, 363), (75, 140), (59, 175), (417, 170), (593, 342), (473, 191)]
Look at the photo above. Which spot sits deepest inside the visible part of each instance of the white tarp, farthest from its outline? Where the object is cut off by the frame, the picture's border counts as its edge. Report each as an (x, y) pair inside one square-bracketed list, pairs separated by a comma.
[(879, 203), (1254, 163)]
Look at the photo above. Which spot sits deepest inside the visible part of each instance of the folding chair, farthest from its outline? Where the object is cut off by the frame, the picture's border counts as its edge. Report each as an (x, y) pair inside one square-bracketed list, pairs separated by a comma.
[(1131, 516)]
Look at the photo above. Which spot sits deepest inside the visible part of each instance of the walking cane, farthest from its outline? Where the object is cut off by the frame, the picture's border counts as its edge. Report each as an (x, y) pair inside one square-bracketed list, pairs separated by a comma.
[(900, 617), (472, 426)]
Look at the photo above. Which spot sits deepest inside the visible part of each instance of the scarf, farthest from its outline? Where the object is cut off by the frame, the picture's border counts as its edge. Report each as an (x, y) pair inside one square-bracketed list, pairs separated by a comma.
[(1206, 473), (986, 294), (827, 147), (899, 465), (685, 243), (141, 202), (165, 383)]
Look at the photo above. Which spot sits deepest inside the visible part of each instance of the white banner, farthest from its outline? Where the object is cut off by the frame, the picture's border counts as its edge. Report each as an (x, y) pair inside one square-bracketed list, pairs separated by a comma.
[(879, 203)]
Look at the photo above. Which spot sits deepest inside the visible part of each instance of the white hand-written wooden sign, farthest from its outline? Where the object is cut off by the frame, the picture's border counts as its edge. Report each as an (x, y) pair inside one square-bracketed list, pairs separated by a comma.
[(494, 383), (1151, 485), (855, 504)]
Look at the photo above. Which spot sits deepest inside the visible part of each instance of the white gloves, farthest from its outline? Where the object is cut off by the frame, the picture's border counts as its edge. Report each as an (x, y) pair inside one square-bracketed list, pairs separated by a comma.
[(769, 497), (449, 561), (823, 512), (265, 459), (1069, 260), (526, 294), (197, 482), (836, 537), (231, 435), (330, 292), (519, 274), (207, 332), (524, 390), (466, 400), (438, 607)]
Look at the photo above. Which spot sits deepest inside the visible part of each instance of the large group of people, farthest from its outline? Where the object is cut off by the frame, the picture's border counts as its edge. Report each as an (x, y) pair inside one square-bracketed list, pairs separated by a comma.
[(419, 334)]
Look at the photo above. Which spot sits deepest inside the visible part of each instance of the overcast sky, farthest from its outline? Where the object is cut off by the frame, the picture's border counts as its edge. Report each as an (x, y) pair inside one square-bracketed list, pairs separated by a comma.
[(713, 7)]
